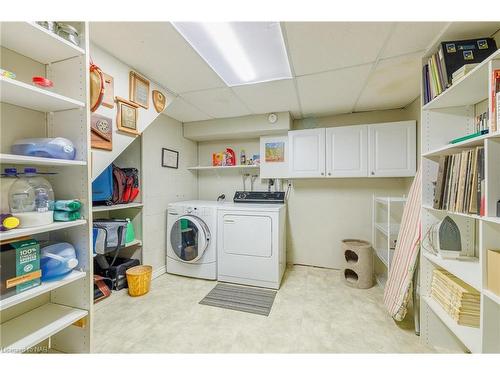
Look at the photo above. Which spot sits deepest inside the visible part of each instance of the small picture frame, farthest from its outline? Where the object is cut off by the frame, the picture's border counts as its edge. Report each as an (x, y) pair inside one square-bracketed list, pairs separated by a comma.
[(126, 116), (139, 90), (169, 158)]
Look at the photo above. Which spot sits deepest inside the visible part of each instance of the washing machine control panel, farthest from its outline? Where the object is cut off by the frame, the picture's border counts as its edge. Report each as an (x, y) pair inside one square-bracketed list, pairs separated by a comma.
[(259, 197)]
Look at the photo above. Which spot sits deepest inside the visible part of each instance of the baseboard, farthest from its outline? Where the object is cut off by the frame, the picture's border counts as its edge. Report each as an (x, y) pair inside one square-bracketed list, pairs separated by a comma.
[(159, 271)]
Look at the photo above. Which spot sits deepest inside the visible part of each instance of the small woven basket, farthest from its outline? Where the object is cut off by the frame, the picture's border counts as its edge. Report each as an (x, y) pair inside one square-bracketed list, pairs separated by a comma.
[(139, 280)]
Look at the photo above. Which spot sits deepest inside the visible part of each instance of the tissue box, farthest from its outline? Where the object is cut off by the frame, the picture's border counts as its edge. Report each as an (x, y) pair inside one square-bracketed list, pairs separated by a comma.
[(19, 267), (494, 271)]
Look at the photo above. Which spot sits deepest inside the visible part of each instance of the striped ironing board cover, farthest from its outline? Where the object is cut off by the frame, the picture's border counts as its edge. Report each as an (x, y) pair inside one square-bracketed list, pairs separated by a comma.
[(397, 289)]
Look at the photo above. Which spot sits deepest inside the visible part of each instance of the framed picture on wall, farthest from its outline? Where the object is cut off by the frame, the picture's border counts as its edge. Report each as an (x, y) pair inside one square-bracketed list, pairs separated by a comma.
[(169, 158), (126, 116), (139, 90)]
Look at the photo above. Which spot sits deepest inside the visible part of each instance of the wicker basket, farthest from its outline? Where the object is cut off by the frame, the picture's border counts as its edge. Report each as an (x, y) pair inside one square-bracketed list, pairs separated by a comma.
[(139, 280)]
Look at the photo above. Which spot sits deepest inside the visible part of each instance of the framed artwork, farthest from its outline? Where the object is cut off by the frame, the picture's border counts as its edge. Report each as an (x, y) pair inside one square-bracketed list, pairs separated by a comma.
[(126, 116), (101, 132), (275, 152), (169, 158), (159, 101), (108, 100), (139, 90)]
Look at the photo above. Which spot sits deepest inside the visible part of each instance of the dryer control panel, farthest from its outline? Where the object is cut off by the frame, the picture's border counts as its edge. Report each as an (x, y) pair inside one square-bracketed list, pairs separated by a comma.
[(259, 197)]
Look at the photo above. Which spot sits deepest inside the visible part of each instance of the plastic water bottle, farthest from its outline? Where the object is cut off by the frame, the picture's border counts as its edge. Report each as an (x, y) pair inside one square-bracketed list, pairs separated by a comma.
[(8, 178), (57, 260)]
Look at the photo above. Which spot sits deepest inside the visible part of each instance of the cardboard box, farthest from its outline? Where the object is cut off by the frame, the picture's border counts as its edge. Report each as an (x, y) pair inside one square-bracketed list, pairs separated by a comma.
[(493, 269), (19, 267)]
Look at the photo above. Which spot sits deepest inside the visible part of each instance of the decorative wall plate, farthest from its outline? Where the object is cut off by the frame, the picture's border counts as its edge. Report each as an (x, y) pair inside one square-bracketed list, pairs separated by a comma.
[(159, 101), (101, 132)]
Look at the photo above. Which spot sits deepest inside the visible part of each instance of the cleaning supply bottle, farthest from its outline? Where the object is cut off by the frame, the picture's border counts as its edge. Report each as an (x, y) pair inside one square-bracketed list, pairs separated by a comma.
[(67, 205), (57, 260), (243, 158), (66, 215)]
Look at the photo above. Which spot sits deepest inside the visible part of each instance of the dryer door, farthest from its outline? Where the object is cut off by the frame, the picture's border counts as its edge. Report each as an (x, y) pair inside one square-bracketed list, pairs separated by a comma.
[(189, 238)]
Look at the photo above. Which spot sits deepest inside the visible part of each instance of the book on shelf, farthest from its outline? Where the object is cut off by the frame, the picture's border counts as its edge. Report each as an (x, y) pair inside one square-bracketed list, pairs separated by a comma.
[(460, 182), (452, 61), (495, 101), (458, 299)]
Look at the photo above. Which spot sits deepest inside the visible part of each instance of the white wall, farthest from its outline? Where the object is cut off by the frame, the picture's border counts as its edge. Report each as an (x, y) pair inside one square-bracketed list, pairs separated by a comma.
[(164, 185), (321, 212), (120, 72)]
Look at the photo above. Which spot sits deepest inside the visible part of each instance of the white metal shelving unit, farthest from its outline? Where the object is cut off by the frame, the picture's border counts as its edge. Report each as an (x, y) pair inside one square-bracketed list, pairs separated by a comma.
[(446, 117), (57, 315), (386, 221)]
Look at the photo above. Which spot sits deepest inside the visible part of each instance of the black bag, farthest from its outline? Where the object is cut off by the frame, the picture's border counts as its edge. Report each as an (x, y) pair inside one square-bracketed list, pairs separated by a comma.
[(116, 271), (102, 288)]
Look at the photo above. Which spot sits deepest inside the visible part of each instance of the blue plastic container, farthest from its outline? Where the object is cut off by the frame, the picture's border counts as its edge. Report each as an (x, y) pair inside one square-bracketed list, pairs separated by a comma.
[(57, 260), (54, 148)]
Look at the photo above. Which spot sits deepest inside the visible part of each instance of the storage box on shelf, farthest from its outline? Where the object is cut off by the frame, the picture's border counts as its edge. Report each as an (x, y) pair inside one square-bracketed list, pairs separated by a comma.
[(449, 116), (49, 310)]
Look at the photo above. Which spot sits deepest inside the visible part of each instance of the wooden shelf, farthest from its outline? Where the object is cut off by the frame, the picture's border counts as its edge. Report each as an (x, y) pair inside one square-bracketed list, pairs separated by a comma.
[(211, 167), (116, 207), (31, 97), (37, 43), (469, 336), (32, 160), (468, 271), (135, 242), (471, 89), (457, 147), (21, 232), (31, 328), (45, 287)]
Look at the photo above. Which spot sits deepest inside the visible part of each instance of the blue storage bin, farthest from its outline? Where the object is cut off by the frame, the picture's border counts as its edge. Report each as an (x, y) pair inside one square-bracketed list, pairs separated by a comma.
[(54, 148), (57, 260)]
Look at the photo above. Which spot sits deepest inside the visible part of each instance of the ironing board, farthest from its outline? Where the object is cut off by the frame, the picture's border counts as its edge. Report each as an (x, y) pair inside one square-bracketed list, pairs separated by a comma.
[(403, 266)]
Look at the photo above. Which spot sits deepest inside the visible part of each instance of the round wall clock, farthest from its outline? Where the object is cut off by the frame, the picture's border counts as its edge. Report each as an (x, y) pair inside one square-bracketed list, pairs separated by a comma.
[(272, 118)]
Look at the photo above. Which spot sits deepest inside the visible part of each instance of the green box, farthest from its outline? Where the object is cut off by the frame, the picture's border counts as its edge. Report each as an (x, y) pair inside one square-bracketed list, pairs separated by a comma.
[(19, 267)]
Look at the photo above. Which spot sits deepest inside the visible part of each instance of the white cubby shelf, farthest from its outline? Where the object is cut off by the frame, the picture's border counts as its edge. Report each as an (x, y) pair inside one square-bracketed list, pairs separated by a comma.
[(449, 116), (32, 40), (56, 225), (114, 207), (35, 98), (226, 167), (44, 287), (34, 160), (29, 329)]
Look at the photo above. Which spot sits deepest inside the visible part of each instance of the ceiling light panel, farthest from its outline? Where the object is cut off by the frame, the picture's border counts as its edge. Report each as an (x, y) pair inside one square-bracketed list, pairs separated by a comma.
[(239, 52)]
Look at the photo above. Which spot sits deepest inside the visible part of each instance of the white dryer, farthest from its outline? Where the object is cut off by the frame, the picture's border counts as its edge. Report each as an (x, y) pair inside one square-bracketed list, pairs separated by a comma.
[(251, 244), (191, 239)]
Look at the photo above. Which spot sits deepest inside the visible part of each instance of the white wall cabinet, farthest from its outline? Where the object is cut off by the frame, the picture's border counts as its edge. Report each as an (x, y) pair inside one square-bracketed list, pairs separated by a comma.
[(346, 151), (307, 153), (374, 150), (392, 148)]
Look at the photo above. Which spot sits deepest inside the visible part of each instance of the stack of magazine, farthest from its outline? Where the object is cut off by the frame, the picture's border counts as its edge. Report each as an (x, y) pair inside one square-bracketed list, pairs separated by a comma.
[(458, 299)]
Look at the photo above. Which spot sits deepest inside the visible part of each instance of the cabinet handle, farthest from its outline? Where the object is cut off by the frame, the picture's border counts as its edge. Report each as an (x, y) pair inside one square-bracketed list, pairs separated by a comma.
[(322, 174), (373, 173), (329, 174)]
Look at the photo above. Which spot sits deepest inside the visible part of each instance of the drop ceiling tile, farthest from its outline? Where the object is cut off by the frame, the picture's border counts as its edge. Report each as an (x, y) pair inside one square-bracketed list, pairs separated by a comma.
[(217, 103), (158, 51), (184, 112), (320, 46), (409, 37), (331, 92), (275, 96), (393, 84)]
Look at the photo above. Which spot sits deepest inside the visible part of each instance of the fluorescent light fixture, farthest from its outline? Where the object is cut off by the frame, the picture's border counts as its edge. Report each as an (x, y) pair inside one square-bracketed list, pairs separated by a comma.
[(239, 52)]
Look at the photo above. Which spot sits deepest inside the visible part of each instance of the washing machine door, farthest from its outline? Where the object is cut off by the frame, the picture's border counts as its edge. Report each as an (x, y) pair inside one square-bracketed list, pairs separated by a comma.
[(189, 238)]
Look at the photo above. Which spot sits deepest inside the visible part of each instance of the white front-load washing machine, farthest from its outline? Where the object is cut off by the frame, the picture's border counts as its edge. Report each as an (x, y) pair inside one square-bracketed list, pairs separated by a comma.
[(191, 239)]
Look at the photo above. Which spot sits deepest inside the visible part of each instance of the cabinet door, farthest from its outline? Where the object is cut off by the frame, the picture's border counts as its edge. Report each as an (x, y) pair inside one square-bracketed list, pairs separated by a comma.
[(347, 151), (392, 149), (307, 153)]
